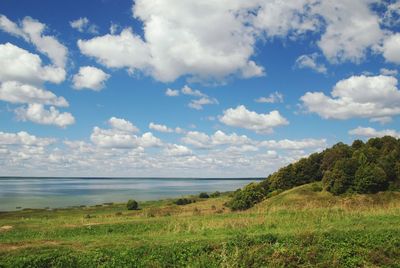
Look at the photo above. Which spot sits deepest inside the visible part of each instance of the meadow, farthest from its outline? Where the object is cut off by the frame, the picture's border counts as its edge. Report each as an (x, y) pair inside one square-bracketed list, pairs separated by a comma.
[(301, 227)]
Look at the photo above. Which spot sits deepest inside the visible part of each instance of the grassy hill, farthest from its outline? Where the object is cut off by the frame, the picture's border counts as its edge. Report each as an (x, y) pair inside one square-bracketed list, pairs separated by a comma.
[(301, 227)]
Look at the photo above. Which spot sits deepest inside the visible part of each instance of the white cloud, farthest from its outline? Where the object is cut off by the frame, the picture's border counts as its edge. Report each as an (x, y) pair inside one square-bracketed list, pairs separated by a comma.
[(160, 128), (91, 78), (120, 136), (172, 92), (287, 144), (310, 61), (351, 29), (122, 125), (391, 48), (38, 114), (199, 103), (177, 150), (371, 132), (32, 31), (275, 97), (220, 137), (358, 96), (261, 123), (23, 138), (197, 139), (388, 72), (186, 46), (16, 92), (192, 92), (83, 25), (125, 50), (17, 64)]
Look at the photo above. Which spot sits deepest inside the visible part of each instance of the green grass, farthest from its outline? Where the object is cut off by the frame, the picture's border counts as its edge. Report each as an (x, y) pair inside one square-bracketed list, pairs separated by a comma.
[(302, 227)]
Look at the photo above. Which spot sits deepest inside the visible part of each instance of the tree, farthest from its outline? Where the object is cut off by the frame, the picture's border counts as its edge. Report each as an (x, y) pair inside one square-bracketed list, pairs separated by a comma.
[(132, 205), (204, 195), (340, 179), (370, 179)]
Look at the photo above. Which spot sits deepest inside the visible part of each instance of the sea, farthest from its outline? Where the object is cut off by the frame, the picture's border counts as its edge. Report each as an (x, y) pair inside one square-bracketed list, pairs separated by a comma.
[(24, 192)]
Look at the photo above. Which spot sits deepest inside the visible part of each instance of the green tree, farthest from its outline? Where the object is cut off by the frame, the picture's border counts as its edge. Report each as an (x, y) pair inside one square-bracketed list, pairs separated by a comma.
[(370, 179), (132, 205)]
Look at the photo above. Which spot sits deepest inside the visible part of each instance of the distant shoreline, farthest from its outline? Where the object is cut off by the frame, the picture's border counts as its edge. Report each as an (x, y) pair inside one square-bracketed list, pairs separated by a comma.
[(129, 178)]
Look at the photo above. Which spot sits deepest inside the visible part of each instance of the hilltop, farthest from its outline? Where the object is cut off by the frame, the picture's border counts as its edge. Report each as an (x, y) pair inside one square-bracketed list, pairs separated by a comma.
[(359, 168)]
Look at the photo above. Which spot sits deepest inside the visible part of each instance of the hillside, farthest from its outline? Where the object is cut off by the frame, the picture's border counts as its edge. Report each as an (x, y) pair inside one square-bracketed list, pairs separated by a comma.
[(361, 168), (301, 227)]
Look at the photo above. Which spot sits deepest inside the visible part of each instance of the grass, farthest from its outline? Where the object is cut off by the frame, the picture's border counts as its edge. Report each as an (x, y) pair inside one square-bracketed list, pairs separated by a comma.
[(302, 227)]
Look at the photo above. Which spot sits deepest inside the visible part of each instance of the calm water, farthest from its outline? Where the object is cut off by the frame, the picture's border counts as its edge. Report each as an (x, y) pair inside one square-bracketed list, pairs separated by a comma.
[(64, 192)]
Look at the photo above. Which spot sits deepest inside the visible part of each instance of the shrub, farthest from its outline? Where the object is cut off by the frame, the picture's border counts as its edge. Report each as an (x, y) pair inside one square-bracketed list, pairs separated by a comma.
[(246, 198), (204, 195), (215, 194), (184, 201), (132, 205)]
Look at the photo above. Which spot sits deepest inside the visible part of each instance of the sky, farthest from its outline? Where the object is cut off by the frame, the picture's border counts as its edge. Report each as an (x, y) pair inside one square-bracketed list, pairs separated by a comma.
[(172, 88)]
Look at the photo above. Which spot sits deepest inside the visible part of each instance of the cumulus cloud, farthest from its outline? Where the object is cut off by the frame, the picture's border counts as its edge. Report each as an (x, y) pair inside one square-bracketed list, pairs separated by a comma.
[(121, 136), (177, 150), (374, 97), (16, 92), (204, 141), (160, 128), (174, 47), (17, 64), (275, 97), (370, 132), (391, 48), (122, 125), (287, 144), (37, 113), (261, 123), (388, 72), (172, 92), (23, 138), (32, 31), (83, 25), (310, 61), (91, 78)]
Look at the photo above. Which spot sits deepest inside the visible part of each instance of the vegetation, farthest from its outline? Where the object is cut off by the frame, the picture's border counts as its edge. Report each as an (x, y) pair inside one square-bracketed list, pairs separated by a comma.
[(204, 195), (184, 201), (132, 205), (302, 227), (360, 168)]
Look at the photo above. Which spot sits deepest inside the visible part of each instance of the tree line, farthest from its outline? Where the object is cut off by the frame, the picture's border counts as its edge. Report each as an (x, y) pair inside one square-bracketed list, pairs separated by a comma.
[(361, 167)]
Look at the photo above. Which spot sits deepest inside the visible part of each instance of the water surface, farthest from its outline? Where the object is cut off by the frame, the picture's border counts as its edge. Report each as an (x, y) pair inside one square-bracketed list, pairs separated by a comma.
[(65, 192)]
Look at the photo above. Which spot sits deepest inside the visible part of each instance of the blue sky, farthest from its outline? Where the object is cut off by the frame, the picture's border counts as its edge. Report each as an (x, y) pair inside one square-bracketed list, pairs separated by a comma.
[(172, 88)]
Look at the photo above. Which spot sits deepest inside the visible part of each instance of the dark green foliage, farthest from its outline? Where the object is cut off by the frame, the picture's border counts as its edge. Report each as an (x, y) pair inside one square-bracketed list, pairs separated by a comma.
[(184, 201), (132, 205), (204, 195), (370, 179), (215, 194), (362, 167), (340, 178), (246, 198)]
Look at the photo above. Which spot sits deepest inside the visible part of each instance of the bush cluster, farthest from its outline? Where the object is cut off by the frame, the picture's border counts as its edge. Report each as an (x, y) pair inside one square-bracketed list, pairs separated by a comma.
[(360, 168), (132, 205), (184, 201)]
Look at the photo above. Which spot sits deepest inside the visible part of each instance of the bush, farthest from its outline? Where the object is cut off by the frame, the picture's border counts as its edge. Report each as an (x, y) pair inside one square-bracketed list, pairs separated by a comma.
[(184, 201), (204, 195), (215, 194), (132, 205), (246, 198)]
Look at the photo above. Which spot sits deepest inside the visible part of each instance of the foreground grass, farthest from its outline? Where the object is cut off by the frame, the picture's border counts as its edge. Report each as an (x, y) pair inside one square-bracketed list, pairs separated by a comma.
[(301, 227)]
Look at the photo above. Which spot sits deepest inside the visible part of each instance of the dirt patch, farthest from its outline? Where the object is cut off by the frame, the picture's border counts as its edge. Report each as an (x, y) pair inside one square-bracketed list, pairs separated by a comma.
[(6, 228), (17, 246)]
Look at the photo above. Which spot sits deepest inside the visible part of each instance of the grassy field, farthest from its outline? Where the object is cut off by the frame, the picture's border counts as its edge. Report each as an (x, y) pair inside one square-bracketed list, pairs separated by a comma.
[(302, 227)]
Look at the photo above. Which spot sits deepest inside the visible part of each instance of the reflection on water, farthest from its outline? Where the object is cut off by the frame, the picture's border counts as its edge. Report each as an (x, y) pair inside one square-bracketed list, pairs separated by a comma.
[(64, 192)]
